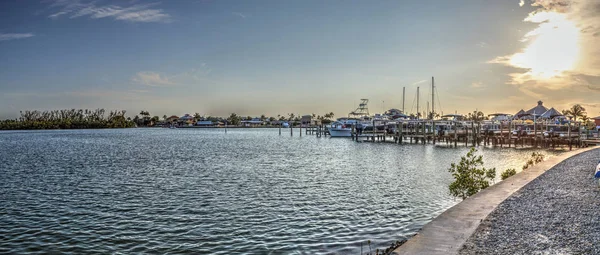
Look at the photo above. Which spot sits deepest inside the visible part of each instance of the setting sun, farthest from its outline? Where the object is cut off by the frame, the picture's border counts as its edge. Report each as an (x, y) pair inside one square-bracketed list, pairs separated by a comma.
[(553, 48)]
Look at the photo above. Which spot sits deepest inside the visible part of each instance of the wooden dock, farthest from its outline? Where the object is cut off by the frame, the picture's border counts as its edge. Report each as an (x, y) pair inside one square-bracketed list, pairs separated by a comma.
[(471, 135)]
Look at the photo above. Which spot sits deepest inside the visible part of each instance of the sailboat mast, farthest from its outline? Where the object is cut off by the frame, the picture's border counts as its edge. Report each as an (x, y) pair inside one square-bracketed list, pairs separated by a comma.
[(417, 102), (432, 98), (403, 93)]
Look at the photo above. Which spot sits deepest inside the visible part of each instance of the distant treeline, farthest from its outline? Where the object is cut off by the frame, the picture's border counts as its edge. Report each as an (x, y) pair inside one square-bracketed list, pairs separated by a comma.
[(68, 119)]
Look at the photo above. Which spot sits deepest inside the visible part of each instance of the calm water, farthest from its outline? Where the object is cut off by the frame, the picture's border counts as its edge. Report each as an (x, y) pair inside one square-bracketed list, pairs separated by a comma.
[(206, 192)]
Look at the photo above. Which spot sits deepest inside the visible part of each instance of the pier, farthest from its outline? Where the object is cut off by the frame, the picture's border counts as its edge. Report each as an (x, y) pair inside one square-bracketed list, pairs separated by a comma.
[(468, 133)]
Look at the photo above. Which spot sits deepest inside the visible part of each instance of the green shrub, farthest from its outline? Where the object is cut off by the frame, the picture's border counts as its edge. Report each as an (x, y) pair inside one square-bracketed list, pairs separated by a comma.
[(508, 173), (470, 176), (536, 157)]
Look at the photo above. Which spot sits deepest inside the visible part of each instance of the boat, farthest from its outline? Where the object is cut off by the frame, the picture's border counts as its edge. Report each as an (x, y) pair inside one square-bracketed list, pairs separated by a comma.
[(358, 118)]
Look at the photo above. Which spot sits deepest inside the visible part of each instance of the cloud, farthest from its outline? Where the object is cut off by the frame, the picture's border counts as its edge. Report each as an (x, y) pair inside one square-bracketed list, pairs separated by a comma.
[(482, 45), (152, 79), (561, 52), (419, 82), (132, 13), (7, 37), (477, 85), (239, 14), (521, 3)]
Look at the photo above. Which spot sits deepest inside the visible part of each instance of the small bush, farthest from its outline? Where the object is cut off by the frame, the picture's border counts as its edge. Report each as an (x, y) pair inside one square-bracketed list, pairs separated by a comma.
[(508, 173), (470, 176), (536, 157)]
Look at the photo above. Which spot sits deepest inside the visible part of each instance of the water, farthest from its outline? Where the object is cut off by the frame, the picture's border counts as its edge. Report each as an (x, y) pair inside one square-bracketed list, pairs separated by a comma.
[(205, 192)]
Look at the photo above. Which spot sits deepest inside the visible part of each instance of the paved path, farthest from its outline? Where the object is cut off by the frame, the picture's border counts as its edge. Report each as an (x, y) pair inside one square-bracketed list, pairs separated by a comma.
[(447, 233), (557, 213)]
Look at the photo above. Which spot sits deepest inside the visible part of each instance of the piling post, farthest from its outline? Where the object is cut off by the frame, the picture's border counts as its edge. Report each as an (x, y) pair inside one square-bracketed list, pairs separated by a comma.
[(300, 129), (401, 132), (374, 129), (291, 128), (280, 128), (455, 134)]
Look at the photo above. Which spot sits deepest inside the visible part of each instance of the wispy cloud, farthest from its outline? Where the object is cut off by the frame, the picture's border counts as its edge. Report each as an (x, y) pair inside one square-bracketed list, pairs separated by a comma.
[(152, 79), (521, 3), (133, 13), (6, 37), (482, 45), (239, 14), (419, 82), (477, 85)]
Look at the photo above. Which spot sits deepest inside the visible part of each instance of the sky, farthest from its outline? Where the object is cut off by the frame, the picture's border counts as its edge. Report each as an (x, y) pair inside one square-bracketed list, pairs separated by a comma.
[(280, 57)]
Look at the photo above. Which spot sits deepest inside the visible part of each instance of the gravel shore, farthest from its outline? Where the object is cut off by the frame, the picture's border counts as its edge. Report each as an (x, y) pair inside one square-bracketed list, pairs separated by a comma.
[(557, 213)]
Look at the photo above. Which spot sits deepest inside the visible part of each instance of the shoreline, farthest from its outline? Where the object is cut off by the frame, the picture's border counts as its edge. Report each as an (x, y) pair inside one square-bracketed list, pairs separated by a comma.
[(449, 231)]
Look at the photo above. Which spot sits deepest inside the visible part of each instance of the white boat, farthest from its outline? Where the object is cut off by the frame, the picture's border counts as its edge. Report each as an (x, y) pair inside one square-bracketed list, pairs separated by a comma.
[(343, 126), (340, 129)]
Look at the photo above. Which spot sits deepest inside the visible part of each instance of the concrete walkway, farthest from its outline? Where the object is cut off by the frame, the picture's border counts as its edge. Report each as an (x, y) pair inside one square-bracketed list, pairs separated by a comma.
[(447, 233)]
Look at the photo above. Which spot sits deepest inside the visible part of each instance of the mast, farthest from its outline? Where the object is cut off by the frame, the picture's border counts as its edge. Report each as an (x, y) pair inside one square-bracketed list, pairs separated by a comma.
[(432, 98), (417, 102), (403, 93)]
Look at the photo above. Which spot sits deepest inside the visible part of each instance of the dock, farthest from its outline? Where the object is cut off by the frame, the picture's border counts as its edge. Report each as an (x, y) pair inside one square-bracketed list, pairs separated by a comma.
[(470, 134)]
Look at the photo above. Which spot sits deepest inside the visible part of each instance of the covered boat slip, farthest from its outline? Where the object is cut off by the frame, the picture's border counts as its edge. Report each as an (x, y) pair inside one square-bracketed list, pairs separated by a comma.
[(518, 133)]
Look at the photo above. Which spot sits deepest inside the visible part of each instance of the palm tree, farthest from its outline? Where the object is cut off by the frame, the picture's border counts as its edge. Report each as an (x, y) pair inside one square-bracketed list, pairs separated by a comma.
[(575, 111), (476, 116)]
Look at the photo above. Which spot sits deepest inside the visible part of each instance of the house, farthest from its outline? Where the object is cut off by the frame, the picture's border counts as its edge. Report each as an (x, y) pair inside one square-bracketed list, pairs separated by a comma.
[(172, 119), (252, 123), (205, 123), (186, 119), (597, 121)]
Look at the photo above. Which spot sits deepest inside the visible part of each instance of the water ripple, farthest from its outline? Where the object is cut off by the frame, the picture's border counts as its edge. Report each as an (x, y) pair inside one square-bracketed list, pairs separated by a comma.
[(206, 192)]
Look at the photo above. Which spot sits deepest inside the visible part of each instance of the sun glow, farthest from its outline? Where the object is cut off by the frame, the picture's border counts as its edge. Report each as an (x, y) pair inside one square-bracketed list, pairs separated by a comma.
[(553, 48)]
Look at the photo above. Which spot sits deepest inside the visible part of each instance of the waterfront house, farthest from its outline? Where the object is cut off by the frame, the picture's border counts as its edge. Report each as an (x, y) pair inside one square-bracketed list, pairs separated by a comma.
[(186, 119), (255, 122), (173, 119), (205, 123), (307, 120), (597, 121)]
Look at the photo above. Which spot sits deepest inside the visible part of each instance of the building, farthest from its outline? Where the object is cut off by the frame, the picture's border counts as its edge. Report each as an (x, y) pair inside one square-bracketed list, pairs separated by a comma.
[(173, 119), (538, 110), (205, 123), (186, 119), (252, 123), (597, 121)]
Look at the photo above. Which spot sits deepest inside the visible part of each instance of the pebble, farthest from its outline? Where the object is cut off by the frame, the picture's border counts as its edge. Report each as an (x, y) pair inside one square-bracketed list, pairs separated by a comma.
[(557, 213)]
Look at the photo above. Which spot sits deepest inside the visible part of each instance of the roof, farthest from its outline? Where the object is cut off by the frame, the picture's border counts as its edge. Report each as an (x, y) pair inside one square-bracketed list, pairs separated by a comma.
[(173, 117), (519, 114), (537, 110), (596, 118), (551, 113), (498, 114)]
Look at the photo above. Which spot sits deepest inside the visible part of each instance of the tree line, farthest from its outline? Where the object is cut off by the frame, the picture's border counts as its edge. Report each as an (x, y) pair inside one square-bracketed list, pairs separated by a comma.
[(68, 119)]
